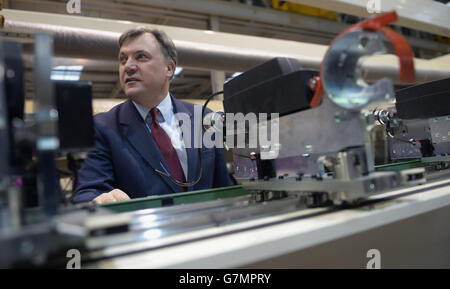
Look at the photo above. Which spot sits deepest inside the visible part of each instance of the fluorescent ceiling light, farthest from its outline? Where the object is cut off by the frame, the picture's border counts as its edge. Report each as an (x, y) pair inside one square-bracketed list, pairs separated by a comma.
[(178, 70), (70, 73)]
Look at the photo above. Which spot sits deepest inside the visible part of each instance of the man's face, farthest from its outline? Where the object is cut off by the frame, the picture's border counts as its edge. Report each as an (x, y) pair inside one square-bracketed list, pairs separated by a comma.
[(144, 72)]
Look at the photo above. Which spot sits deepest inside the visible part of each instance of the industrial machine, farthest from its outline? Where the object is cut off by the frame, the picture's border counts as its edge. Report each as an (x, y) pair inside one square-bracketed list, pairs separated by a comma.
[(340, 162), (418, 126), (304, 149)]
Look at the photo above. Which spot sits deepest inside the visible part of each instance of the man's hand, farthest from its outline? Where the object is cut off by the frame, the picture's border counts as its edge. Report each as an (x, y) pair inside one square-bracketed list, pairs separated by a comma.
[(113, 196)]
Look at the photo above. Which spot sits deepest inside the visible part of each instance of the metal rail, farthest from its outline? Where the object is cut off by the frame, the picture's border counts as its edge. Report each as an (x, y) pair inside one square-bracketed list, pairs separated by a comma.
[(161, 228)]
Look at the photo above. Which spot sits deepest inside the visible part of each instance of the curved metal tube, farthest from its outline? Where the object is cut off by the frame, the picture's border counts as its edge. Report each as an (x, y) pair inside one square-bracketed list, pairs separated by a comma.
[(103, 45)]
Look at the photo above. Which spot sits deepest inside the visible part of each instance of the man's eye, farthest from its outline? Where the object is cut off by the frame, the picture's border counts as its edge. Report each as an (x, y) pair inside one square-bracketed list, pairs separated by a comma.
[(141, 56), (122, 60)]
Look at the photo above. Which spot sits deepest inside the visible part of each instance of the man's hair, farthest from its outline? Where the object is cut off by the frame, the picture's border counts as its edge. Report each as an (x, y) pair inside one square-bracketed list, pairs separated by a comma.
[(165, 43)]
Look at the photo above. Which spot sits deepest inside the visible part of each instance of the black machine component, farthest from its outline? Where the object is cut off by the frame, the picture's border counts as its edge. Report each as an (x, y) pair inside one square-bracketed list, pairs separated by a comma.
[(426, 148), (74, 102), (15, 98), (266, 168), (276, 86), (4, 134), (431, 99), (14, 79)]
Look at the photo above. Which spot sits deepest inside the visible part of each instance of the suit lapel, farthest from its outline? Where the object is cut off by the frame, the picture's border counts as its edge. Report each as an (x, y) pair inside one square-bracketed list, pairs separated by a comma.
[(135, 130)]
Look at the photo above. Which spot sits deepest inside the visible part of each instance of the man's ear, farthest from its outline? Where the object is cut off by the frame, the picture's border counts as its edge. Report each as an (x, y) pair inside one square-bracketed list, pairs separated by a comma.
[(170, 68)]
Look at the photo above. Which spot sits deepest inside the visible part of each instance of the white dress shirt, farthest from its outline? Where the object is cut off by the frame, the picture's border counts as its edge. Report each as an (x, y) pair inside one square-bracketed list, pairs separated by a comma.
[(169, 123)]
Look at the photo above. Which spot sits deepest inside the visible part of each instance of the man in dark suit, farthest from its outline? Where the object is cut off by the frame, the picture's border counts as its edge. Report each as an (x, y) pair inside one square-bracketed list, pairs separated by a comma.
[(140, 148)]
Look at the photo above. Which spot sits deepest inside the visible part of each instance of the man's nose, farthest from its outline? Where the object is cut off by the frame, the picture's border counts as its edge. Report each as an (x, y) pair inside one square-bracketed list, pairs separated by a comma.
[(130, 66)]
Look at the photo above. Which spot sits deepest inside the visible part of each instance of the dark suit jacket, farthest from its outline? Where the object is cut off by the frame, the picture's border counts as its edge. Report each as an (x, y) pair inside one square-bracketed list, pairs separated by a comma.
[(126, 156)]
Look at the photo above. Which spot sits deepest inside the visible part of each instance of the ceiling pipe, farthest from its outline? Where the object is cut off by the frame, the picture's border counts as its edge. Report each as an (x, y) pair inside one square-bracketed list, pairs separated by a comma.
[(103, 45)]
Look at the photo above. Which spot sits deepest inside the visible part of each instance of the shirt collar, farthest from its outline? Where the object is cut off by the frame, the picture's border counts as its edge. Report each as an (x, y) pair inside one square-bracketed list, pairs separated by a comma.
[(165, 108)]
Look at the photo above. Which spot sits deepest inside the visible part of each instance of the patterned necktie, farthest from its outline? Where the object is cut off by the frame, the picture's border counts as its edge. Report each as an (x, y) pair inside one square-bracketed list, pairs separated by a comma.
[(166, 148)]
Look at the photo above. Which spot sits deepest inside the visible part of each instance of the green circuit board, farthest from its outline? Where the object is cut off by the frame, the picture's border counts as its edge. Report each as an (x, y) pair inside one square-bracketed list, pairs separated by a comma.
[(176, 199), (398, 166)]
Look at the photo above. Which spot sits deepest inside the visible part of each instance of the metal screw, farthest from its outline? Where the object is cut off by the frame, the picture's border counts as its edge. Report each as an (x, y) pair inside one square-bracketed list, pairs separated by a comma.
[(26, 248), (337, 118), (265, 148), (10, 73), (363, 41), (313, 83), (53, 114)]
